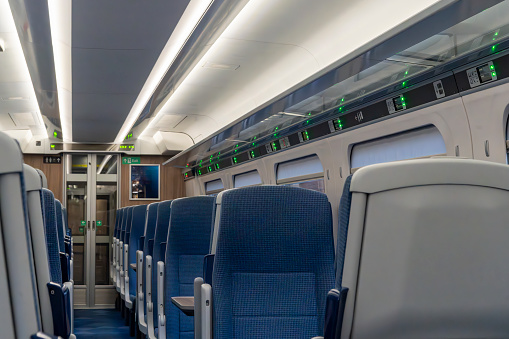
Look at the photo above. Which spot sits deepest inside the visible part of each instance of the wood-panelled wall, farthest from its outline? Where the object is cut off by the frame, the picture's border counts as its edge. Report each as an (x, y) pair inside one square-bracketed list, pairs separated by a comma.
[(54, 173), (172, 182)]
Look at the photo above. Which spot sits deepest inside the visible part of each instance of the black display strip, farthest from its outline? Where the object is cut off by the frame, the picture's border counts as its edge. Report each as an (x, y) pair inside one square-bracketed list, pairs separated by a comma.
[(501, 70), (397, 103), (189, 175)]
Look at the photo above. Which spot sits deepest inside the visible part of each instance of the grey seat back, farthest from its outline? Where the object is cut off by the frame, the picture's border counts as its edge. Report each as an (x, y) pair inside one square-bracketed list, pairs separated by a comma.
[(17, 277), (35, 215), (426, 255)]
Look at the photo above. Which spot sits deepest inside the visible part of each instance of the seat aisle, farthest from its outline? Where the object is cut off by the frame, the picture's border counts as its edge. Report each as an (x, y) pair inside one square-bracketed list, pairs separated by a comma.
[(99, 324)]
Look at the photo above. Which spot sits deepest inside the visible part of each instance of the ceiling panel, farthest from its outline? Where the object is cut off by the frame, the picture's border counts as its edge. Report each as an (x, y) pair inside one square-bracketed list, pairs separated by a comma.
[(110, 71), (115, 46), (133, 25)]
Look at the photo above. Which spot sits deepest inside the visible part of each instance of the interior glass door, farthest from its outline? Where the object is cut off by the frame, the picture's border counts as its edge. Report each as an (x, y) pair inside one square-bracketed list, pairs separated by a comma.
[(92, 198)]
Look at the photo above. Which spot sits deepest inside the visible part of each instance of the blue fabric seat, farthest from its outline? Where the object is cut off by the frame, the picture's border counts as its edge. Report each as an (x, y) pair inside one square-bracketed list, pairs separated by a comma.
[(118, 250), (158, 251), (137, 231), (65, 258), (274, 263), (147, 245), (124, 238), (113, 262), (60, 225), (189, 235), (52, 241), (61, 293)]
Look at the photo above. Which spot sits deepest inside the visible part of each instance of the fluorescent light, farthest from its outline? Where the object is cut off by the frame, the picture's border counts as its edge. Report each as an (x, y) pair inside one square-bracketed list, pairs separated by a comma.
[(294, 114), (60, 22), (191, 17)]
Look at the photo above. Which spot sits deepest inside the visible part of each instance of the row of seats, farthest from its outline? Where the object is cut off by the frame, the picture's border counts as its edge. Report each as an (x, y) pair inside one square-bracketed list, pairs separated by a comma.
[(420, 253), (36, 265)]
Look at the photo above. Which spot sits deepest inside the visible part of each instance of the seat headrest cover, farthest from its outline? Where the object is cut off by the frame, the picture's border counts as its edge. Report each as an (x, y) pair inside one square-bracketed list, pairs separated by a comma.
[(434, 171), (10, 150), (32, 179), (44, 181)]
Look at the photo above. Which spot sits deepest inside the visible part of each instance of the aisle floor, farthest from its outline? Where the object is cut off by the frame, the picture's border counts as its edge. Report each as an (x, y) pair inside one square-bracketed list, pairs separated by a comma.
[(99, 324)]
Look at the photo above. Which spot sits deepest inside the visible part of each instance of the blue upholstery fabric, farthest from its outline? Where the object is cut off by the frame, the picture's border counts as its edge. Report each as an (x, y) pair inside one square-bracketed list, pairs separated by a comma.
[(160, 235), (117, 222), (137, 230), (188, 242), (274, 263), (150, 229), (344, 219), (60, 226), (123, 214), (50, 225), (66, 220), (128, 224)]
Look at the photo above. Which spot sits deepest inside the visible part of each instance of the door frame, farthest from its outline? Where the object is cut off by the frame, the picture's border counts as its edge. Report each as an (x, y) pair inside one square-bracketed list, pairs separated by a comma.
[(88, 291)]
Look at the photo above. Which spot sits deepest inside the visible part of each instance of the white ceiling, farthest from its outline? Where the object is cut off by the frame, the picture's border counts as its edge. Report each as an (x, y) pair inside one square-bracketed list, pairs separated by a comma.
[(277, 44), (115, 45), (16, 91)]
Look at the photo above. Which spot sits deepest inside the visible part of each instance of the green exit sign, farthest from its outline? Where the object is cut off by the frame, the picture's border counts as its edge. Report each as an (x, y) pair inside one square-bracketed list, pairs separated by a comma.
[(99, 223), (131, 160), (83, 223), (81, 229)]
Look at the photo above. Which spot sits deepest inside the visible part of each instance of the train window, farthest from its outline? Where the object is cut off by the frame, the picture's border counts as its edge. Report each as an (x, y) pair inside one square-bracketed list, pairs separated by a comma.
[(418, 143), (214, 187), (304, 172), (247, 179)]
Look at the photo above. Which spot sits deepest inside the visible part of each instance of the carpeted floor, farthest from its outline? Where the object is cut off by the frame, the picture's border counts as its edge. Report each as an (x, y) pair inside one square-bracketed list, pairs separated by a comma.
[(99, 324)]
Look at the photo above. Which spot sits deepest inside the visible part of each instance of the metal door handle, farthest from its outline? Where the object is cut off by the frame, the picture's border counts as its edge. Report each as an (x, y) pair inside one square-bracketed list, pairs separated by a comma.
[(93, 225)]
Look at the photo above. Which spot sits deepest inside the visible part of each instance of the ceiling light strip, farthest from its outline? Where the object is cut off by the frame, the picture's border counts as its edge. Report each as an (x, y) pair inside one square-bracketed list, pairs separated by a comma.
[(61, 35), (190, 19)]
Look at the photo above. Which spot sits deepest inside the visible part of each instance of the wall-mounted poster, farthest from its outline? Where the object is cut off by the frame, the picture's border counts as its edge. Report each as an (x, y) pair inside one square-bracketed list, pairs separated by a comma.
[(145, 183)]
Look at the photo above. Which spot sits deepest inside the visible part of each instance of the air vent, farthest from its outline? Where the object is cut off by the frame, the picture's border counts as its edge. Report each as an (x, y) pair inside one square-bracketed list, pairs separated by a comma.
[(23, 119)]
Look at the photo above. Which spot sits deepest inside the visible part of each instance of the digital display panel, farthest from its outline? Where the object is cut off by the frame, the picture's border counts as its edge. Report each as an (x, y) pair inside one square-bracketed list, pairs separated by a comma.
[(484, 72), (399, 103), (145, 183)]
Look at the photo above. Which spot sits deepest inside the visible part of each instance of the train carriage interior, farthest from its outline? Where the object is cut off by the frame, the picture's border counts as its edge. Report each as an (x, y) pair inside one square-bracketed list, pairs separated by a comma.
[(212, 169)]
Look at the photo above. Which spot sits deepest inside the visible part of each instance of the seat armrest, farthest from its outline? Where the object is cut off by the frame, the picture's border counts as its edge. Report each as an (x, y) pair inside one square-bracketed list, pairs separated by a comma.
[(206, 311), (150, 249), (162, 247), (150, 304), (65, 266), (160, 299), (141, 243), (59, 299), (198, 282), (139, 292), (334, 311), (208, 268), (127, 297), (122, 271)]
